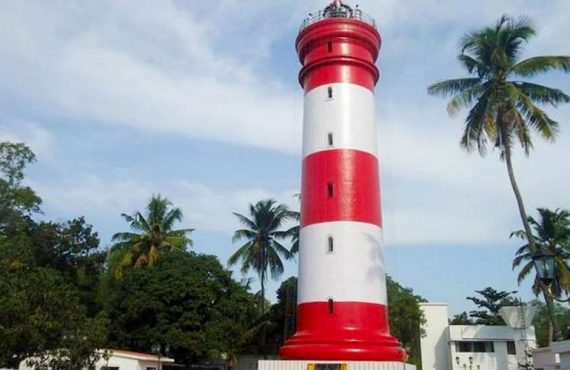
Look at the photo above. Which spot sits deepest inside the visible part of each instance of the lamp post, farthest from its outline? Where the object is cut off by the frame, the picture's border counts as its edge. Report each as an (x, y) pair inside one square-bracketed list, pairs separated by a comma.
[(156, 349), (544, 262)]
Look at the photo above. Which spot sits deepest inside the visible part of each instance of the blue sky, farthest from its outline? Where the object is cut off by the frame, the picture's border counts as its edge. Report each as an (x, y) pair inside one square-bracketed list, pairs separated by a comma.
[(199, 101)]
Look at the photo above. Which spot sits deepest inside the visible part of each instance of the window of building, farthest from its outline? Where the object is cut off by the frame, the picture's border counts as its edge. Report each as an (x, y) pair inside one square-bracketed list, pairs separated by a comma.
[(330, 139), (331, 306), (511, 348), (329, 92), (474, 346), (329, 47), (330, 244), (330, 189), (109, 368)]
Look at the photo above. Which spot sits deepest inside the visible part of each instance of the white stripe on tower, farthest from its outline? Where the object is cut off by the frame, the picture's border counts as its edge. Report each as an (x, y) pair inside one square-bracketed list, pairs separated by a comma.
[(342, 261), (329, 122)]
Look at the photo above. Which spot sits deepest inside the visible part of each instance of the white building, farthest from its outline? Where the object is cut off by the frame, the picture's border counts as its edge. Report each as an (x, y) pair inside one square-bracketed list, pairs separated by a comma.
[(114, 359), (476, 347)]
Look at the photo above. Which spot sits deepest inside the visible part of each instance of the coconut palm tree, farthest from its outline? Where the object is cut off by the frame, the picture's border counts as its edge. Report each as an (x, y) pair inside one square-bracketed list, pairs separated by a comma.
[(262, 250), (294, 232), (503, 109), (152, 234), (552, 233)]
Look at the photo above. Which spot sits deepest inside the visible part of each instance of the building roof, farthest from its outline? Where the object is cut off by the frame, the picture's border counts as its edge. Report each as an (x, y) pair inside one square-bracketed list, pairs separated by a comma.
[(137, 355)]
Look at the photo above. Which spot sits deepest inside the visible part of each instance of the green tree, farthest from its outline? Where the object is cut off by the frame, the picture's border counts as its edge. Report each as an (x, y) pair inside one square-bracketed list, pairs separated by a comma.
[(504, 109), (187, 303), (262, 250), (152, 234), (406, 318), (40, 314), (462, 319), (488, 305), (283, 313), (44, 266), (542, 323), (294, 232), (17, 202), (552, 233)]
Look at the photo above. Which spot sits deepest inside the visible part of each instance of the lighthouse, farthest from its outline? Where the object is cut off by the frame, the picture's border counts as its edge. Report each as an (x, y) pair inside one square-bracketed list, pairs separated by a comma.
[(342, 309)]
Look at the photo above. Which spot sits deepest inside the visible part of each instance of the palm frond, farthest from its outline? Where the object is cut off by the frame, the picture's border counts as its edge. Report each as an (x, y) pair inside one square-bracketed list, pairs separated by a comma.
[(542, 94), (453, 87), (477, 124), (245, 221), (524, 272), (465, 99), (536, 65), (124, 236)]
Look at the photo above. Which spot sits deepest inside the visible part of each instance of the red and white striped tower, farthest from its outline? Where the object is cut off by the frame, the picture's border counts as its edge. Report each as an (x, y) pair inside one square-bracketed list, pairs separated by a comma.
[(342, 311)]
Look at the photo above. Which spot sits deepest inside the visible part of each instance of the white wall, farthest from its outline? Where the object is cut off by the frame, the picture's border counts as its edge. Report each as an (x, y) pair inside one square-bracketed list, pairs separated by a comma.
[(435, 345), (438, 346)]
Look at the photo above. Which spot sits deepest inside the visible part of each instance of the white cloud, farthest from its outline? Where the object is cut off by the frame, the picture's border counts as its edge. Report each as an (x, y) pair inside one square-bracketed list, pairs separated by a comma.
[(150, 67), (201, 70), (40, 140), (205, 207)]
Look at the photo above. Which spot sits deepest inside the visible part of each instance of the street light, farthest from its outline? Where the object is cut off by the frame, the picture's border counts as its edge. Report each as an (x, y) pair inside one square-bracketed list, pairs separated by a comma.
[(544, 262)]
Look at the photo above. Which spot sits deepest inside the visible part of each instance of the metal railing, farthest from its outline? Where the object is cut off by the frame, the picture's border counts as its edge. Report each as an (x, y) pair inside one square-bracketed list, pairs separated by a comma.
[(338, 13)]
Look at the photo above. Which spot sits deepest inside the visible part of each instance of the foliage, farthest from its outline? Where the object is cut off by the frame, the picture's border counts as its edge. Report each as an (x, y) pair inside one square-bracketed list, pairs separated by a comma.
[(17, 202), (40, 313), (551, 233), (186, 302), (283, 313), (262, 250), (294, 232), (153, 234), (44, 267), (488, 305), (462, 319), (503, 109), (541, 322), (406, 318)]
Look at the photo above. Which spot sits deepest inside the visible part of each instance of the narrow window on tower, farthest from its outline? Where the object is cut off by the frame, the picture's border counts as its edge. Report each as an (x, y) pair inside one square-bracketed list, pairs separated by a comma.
[(330, 139), (330, 244), (329, 92), (331, 306), (330, 190), (329, 46)]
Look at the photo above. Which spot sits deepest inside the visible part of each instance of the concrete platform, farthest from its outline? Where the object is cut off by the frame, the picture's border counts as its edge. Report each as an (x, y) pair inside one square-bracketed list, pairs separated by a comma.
[(350, 365)]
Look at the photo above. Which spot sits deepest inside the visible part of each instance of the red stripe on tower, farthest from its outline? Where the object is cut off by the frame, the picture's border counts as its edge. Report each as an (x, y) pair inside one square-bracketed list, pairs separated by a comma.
[(342, 312)]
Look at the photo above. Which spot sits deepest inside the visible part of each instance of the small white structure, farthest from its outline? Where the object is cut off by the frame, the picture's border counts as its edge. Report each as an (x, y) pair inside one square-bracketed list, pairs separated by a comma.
[(115, 359), (476, 347)]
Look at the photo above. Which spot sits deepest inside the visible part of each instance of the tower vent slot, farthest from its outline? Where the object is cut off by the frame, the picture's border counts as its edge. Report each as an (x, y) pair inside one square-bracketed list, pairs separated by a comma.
[(330, 139), (329, 47), (330, 190), (329, 92), (330, 244), (331, 306)]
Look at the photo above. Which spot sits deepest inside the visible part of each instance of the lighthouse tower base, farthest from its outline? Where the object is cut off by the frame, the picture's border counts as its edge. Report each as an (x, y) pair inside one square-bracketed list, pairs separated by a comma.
[(332, 365)]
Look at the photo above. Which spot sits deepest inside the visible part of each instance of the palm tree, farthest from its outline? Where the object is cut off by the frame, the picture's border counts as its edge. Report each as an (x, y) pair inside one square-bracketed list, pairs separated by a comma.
[(294, 232), (551, 233), (504, 110), (152, 235), (262, 250)]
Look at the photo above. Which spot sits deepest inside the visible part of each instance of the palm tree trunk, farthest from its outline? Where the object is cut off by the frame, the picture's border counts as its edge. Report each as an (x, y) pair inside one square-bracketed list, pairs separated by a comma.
[(554, 330), (519, 199), (264, 327)]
